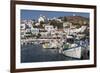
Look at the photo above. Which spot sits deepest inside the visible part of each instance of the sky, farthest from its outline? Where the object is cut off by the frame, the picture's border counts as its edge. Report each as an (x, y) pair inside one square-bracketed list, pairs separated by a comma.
[(35, 14)]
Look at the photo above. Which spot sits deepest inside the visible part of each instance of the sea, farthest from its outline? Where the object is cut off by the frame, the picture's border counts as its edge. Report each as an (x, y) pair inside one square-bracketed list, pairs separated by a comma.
[(35, 53)]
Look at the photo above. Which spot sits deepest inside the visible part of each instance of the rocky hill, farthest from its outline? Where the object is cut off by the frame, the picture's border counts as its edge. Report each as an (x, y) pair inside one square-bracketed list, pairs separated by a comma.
[(78, 19)]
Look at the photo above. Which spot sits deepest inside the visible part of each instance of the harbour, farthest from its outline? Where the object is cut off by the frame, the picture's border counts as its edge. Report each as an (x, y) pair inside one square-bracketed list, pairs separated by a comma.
[(35, 53), (57, 39)]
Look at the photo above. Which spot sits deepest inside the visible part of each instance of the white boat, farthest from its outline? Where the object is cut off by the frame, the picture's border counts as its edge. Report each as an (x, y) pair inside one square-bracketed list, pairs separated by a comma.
[(46, 45), (50, 44), (74, 52)]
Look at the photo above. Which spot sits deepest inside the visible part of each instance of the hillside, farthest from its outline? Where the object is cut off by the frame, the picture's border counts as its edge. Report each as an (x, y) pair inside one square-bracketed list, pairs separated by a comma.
[(78, 20)]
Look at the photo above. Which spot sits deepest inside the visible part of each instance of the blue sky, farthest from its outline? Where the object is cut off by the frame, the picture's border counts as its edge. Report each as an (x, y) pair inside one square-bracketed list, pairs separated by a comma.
[(34, 14)]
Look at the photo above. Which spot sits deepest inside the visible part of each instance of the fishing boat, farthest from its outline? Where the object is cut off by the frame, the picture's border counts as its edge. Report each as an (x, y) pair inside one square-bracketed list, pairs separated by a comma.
[(72, 49), (74, 52)]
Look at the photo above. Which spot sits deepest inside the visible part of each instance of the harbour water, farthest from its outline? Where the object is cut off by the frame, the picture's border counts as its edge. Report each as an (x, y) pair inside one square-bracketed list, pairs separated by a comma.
[(35, 53)]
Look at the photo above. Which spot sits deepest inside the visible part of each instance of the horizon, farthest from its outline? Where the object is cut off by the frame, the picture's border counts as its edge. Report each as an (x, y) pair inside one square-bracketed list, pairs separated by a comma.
[(35, 14)]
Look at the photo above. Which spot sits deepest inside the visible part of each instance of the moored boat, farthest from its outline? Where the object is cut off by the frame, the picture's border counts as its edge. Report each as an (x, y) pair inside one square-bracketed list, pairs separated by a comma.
[(74, 52)]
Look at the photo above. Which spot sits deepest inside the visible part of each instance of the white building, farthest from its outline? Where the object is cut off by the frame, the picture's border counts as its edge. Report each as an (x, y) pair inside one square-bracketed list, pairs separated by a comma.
[(29, 25), (34, 30), (82, 29), (22, 30), (23, 26), (66, 24), (59, 20), (37, 24), (42, 19), (49, 28)]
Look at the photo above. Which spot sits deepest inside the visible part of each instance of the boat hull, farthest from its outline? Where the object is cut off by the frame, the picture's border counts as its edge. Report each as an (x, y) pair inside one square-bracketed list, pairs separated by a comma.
[(73, 52)]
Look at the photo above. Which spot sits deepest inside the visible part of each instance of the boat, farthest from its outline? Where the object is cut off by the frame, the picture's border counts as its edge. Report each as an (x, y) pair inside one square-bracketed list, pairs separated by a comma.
[(46, 45), (52, 44), (71, 49), (74, 52)]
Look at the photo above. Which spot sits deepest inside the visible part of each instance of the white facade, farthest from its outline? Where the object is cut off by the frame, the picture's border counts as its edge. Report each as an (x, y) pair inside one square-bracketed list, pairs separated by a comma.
[(29, 25), (34, 30), (37, 24), (22, 26), (23, 31), (65, 24), (41, 18), (59, 20), (49, 28)]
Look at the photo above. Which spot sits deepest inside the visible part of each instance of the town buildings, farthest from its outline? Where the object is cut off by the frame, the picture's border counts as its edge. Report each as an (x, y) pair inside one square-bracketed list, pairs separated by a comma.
[(42, 29)]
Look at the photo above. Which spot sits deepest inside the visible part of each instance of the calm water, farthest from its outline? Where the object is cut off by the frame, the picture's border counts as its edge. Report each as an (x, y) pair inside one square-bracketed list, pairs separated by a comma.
[(35, 53)]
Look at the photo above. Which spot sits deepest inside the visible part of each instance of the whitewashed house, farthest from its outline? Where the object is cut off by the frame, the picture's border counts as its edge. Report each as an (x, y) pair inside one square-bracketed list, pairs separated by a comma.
[(34, 31), (81, 29), (29, 23), (59, 20), (37, 24), (66, 24), (42, 19), (22, 26), (44, 35), (22, 30), (49, 28)]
